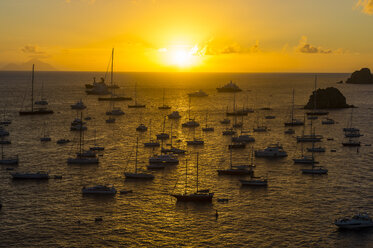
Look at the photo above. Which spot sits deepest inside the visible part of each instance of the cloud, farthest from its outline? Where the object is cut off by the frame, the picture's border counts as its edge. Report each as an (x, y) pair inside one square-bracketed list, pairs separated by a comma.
[(367, 6), (210, 48), (31, 49), (305, 47)]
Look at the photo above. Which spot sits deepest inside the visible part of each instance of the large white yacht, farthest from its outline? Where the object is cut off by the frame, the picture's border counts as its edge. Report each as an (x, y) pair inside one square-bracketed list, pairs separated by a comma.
[(99, 189), (272, 151), (230, 87), (361, 220)]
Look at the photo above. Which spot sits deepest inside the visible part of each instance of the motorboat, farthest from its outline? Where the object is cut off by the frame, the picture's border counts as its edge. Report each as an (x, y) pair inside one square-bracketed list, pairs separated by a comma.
[(353, 134), (199, 93), (360, 220), (174, 115), (272, 151), (230, 87), (244, 138), (261, 129), (316, 149), (305, 160), (62, 141), (163, 136), (289, 131), (239, 145), (110, 120), (99, 190), (152, 143), (79, 159), (229, 132), (327, 121), (115, 111), (315, 170), (45, 139), (173, 150), (195, 142), (79, 105), (3, 132), (270, 117), (141, 128), (37, 175), (351, 142), (225, 121), (190, 123), (255, 182), (163, 159), (208, 129)]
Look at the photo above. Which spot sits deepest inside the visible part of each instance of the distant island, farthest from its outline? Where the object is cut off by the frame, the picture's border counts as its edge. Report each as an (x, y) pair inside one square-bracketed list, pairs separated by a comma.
[(364, 76), (329, 98), (39, 65)]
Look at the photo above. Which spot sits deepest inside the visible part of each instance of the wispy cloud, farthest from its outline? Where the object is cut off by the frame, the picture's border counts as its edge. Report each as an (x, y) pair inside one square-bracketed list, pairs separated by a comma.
[(31, 49), (209, 48), (305, 47), (366, 5)]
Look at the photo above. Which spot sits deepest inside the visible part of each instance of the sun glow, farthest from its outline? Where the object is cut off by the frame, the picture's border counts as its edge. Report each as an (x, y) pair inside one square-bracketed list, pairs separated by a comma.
[(180, 56)]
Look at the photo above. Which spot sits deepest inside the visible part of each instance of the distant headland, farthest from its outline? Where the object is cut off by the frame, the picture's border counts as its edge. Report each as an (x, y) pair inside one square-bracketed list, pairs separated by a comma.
[(363, 76)]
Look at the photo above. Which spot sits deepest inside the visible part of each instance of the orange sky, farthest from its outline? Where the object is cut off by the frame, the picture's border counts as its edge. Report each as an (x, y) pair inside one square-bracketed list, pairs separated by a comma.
[(211, 36)]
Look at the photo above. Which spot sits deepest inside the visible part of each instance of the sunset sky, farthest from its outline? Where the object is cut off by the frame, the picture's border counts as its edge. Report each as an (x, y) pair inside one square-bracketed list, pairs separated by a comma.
[(203, 35)]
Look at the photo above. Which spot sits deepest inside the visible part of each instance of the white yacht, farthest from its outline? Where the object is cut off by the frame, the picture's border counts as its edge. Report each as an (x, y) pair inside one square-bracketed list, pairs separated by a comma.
[(174, 115), (360, 220), (272, 151), (163, 159), (37, 175), (99, 190), (78, 105), (199, 93), (230, 87)]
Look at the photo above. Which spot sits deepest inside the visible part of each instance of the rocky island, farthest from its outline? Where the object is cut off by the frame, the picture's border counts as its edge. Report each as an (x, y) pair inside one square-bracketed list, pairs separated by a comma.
[(329, 98), (364, 76)]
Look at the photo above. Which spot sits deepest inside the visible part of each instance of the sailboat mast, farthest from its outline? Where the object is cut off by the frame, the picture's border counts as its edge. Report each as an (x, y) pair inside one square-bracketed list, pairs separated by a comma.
[(186, 176), (137, 147), (189, 107), (80, 134), (230, 158), (292, 109), (197, 171), (32, 89), (163, 97), (314, 98), (112, 66)]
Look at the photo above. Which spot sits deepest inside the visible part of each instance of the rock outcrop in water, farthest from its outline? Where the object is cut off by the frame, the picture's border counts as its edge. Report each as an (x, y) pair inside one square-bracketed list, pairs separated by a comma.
[(364, 76), (328, 98)]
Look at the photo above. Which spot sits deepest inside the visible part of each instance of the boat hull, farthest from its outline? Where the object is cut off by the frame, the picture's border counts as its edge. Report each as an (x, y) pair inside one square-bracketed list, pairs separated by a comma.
[(194, 197)]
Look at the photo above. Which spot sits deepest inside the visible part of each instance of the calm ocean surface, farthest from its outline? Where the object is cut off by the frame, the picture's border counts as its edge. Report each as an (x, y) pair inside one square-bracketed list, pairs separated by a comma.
[(294, 211)]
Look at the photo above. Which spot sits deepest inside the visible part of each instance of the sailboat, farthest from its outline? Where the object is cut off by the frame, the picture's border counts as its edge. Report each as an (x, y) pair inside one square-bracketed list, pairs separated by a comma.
[(45, 137), (163, 105), (254, 181), (236, 170), (293, 121), (350, 131), (305, 159), (5, 121), (315, 111), (42, 101), (163, 135), (151, 143), (83, 157), (136, 105), (195, 141), (207, 128), (191, 122), (172, 149), (9, 160), (35, 111), (236, 112), (95, 147), (198, 195), (136, 175), (312, 137)]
